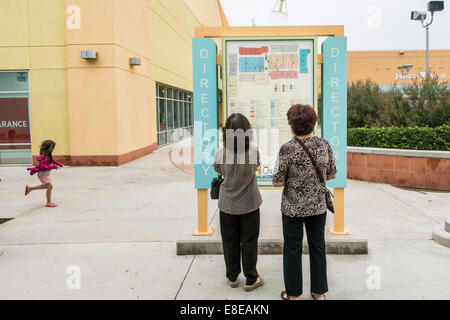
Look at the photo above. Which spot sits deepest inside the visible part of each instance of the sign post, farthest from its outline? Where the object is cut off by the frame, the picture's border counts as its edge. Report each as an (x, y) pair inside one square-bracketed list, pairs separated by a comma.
[(206, 123), (334, 82), (334, 119)]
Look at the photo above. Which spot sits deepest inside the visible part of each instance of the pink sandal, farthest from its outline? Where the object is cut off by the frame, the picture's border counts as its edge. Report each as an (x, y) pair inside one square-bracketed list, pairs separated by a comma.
[(27, 190), (51, 205)]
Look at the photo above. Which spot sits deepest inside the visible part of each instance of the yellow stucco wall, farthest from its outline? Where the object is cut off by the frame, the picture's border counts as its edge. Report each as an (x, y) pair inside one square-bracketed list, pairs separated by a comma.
[(103, 107), (36, 42), (171, 31), (117, 112)]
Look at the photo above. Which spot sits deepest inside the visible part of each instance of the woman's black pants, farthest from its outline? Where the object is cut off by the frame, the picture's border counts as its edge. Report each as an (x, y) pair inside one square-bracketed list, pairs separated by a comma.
[(292, 253), (240, 233)]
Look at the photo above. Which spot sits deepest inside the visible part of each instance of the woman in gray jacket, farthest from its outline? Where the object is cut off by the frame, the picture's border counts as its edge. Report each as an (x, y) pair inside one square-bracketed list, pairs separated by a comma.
[(239, 201)]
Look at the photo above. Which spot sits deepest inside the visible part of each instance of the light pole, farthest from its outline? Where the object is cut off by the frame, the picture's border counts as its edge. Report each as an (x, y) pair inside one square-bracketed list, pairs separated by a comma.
[(421, 16)]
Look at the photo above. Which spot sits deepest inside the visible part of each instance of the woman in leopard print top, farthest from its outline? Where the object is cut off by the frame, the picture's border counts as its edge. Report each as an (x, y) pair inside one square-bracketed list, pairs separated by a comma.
[(303, 202)]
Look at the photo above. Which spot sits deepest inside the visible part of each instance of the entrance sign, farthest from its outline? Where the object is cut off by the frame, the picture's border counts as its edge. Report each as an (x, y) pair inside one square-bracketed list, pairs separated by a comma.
[(15, 126), (263, 79), (14, 123), (334, 118), (204, 52)]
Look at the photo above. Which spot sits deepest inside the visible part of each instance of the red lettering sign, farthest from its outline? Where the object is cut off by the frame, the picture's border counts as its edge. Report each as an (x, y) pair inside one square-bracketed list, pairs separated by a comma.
[(14, 122), (253, 51)]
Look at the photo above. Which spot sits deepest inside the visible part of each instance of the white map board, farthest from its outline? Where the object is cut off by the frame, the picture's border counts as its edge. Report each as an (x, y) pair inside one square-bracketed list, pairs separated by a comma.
[(264, 78)]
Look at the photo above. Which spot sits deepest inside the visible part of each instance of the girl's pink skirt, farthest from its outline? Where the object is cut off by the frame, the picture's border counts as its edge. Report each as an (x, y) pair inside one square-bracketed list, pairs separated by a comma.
[(44, 177)]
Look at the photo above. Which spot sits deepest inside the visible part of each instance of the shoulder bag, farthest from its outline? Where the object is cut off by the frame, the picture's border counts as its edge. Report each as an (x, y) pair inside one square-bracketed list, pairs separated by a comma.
[(328, 194), (215, 187)]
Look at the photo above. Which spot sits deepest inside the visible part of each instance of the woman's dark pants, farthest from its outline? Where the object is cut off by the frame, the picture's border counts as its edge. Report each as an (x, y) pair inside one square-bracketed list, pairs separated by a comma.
[(292, 253), (240, 233)]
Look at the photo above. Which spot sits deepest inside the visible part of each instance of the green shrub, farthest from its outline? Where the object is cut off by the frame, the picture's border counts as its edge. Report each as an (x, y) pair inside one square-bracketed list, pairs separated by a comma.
[(365, 104), (421, 103), (412, 138)]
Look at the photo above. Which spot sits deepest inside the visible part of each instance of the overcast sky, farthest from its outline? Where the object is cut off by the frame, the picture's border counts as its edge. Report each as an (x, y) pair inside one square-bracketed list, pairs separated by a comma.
[(369, 24)]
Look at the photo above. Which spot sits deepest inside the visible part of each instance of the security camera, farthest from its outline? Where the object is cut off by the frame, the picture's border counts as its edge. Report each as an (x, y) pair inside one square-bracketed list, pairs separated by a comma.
[(435, 6), (406, 67), (418, 15)]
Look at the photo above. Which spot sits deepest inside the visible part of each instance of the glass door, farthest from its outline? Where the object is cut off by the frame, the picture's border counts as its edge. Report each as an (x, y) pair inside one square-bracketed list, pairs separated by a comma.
[(15, 128)]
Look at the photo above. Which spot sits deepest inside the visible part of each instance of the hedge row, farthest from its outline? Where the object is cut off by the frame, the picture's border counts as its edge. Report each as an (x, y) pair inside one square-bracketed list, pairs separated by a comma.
[(412, 138)]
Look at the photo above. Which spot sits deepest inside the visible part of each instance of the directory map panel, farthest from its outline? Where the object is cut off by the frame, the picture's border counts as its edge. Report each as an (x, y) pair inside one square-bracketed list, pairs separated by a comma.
[(264, 78)]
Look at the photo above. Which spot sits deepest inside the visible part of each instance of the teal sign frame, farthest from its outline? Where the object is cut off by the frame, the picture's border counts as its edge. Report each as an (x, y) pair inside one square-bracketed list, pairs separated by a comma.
[(334, 107), (206, 118)]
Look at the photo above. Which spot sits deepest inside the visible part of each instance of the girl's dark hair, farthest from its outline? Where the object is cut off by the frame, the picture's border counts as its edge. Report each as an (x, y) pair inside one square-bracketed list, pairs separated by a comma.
[(302, 119), (46, 149), (235, 122)]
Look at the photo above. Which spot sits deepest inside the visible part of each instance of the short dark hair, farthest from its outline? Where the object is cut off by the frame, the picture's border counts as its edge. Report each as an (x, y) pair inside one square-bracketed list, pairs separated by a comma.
[(302, 119)]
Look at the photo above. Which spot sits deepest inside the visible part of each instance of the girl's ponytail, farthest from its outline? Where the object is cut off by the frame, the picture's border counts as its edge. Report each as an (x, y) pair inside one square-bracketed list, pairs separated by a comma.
[(46, 149)]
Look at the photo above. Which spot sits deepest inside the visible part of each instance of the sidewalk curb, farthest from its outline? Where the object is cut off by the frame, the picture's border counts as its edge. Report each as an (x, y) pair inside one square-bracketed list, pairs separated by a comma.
[(272, 246), (441, 236)]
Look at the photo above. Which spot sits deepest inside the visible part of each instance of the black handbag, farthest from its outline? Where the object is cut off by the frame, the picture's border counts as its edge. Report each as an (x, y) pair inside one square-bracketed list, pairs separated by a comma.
[(328, 194), (215, 187)]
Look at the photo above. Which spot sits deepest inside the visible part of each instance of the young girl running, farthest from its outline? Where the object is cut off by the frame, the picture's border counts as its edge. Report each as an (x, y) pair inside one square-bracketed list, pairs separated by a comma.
[(45, 165)]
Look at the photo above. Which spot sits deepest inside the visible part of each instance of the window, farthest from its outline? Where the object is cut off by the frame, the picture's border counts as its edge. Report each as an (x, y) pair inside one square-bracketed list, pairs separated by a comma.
[(15, 131), (174, 114)]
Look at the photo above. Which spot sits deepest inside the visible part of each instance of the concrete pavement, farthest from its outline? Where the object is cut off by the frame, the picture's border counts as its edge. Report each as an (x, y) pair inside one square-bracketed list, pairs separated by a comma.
[(119, 225)]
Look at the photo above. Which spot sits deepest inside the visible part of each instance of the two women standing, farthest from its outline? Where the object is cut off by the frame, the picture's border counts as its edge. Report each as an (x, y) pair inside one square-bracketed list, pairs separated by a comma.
[(303, 202)]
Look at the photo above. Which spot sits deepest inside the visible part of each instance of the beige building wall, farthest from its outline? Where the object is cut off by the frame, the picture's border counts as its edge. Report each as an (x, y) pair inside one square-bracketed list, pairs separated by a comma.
[(381, 66)]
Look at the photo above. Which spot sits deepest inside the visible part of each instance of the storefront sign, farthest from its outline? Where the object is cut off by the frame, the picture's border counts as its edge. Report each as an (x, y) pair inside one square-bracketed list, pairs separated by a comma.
[(14, 123), (204, 53), (334, 77), (420, 75)]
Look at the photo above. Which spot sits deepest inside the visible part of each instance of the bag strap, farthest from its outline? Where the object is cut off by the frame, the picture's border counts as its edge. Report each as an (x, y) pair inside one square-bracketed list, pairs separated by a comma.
[(319, 175)]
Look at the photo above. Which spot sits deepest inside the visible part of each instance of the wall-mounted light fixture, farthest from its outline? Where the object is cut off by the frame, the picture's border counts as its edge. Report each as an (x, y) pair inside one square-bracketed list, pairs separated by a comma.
[(89, 54), (135, 61)]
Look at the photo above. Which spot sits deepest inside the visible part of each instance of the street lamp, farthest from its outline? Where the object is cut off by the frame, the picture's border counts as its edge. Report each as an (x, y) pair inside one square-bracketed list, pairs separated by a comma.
[(281, 7), (279, 14), (421, 16)]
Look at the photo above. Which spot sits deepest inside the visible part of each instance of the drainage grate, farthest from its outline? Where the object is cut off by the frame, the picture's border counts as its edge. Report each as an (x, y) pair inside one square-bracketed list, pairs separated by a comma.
[(4, 220)]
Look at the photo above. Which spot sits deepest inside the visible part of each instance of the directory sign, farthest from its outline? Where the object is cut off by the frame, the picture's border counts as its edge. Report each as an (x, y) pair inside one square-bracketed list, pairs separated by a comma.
[(204, 52), (264, 78), (334, 89)]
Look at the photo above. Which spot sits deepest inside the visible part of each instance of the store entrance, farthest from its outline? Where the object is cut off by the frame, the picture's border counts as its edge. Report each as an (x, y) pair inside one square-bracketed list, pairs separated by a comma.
[(15, 129)]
